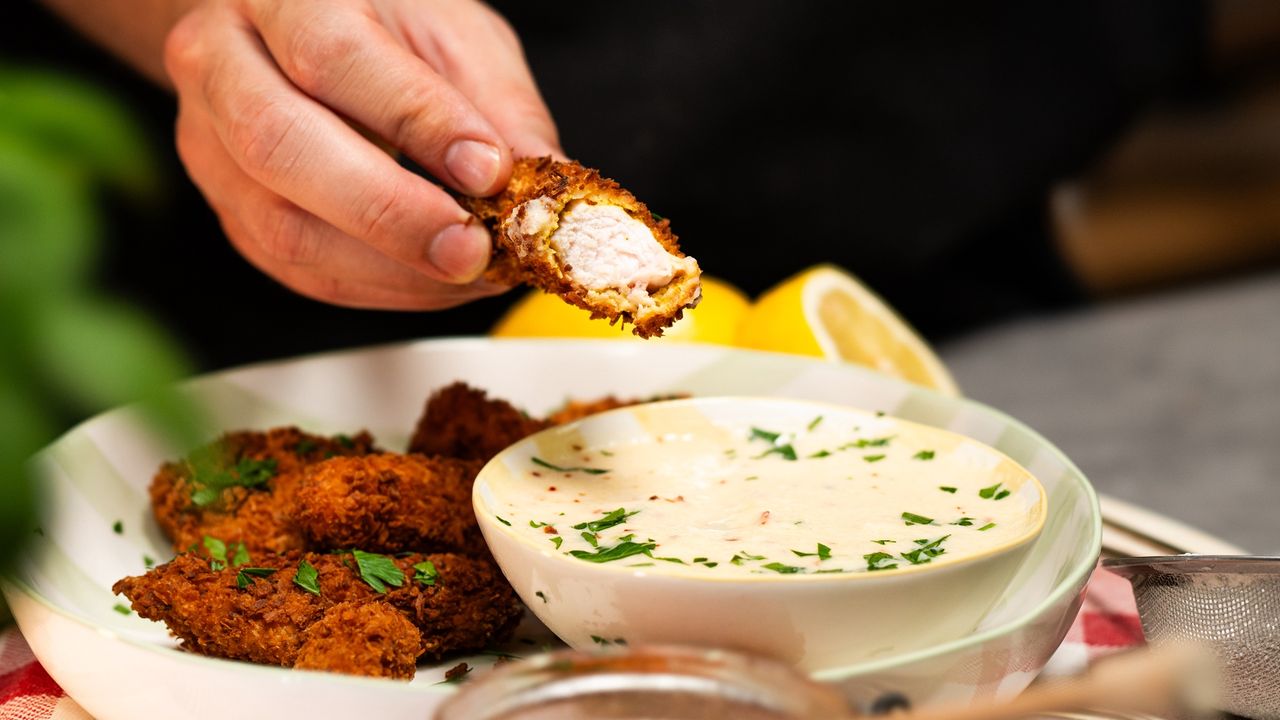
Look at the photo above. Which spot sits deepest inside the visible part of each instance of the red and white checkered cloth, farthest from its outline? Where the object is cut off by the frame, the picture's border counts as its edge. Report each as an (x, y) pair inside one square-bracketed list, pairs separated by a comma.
[(1108, 622)]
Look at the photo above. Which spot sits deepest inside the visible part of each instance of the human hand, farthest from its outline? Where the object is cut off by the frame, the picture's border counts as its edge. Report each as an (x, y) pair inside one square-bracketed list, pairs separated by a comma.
[(265, 88)]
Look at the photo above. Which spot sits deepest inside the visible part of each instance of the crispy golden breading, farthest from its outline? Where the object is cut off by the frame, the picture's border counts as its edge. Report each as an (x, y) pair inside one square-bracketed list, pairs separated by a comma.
[(389, 503), (468, 607), (578, 409), (523, 249), (361, 638), (460, 421), (256, 516)]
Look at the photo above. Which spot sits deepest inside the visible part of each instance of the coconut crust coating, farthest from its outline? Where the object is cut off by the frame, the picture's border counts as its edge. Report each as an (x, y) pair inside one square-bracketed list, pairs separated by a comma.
[(389, 503), (258, 516), (270, 619), (525, 256), (460, 421), (356, 638)]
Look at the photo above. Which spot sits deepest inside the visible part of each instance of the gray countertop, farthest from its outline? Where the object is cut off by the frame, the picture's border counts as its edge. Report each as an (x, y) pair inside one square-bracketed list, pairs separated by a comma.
[(1170, 401)]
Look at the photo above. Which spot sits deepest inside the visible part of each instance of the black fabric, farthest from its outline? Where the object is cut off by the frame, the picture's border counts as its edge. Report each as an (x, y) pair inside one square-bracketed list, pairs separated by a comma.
[(912, 143)]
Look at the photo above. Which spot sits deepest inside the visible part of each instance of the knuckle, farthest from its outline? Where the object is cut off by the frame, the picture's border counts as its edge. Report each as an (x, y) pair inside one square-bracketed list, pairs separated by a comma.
[(285, 237), (321, 53), (261, 133), (382, 215), (183, 48)]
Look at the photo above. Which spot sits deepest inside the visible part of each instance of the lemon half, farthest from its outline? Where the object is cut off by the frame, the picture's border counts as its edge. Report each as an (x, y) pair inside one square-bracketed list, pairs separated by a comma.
[(827, 312)]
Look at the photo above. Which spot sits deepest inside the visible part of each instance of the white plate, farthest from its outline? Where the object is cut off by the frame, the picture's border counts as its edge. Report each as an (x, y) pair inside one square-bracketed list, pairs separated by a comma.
[(123, 667)]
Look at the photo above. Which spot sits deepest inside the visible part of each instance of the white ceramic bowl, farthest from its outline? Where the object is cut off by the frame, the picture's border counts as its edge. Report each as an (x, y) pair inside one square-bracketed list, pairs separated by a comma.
[(122, 667), (814, 621)]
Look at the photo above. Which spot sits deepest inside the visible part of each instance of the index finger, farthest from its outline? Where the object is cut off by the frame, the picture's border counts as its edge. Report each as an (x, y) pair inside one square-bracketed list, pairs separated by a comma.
[(306, 154)]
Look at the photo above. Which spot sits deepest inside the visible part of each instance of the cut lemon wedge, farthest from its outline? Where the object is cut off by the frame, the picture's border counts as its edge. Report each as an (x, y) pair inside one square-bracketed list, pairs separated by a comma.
[(714, 320), (827, 312)]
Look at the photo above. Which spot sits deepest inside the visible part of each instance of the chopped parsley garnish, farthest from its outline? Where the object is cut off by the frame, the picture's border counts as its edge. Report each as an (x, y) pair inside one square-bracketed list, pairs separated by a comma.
[(914, 519), (503, 520), (241, 556), (823, 553), (605, 641), (986, 527), (883, 542), (148, 561), (676, 560), (557, 540), (993, 493), (868, 442), (606, 453), (617, 552), (710, 564), (947, 489), (782, 569), (246, 576), (767, 436), (305, 446), (786, 451), (815, 423), (122, 609), (425, 572), (751, 477), (963, 522), (615, 517), (926, 551), (873, 458), (739, 558), (880, 561), (345, 440), (780, 444), (217, 552), (208, 482), (378, 570), (591, 538), (924, 455), (536, 524), (544, 597), (699, 560), (118, 527), (590, 471), (821, 454), (307, 577)]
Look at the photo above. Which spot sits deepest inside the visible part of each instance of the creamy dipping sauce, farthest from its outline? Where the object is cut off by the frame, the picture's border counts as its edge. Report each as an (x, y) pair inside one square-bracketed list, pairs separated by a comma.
[(840, 492)]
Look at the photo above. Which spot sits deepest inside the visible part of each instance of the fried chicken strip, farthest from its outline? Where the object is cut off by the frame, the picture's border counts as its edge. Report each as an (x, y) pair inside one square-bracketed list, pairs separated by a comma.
[(389, 503), (256, 515), (462, 605), (460, 421), (563, 228)]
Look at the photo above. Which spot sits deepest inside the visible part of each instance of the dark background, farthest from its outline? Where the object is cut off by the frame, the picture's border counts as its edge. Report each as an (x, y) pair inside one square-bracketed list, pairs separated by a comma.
[(914, 144)]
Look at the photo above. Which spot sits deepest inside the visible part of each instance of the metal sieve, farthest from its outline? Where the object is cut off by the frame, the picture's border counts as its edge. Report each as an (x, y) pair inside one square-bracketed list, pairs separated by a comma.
[(1228, 604)]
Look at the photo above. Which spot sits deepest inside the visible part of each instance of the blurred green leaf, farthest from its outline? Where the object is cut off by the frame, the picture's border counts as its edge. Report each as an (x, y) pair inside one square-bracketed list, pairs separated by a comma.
[(80, 125), (102, 354), (25, 429), (47, 222)]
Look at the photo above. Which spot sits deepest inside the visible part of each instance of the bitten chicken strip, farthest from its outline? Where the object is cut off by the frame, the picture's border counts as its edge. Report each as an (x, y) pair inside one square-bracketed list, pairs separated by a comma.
[(390, 503), (262, 613), (563, 228), (240, 487)]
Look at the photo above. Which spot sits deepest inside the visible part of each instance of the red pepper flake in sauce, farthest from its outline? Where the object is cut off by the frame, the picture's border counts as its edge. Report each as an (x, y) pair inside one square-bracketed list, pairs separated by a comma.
[(764, 517), (551, 488), (577, 448), (535, 473), (550, 530), (653, 497)]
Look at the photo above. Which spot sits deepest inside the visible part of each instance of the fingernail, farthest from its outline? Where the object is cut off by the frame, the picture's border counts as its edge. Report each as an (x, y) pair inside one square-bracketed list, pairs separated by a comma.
[(460, 251), (474, 165)]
